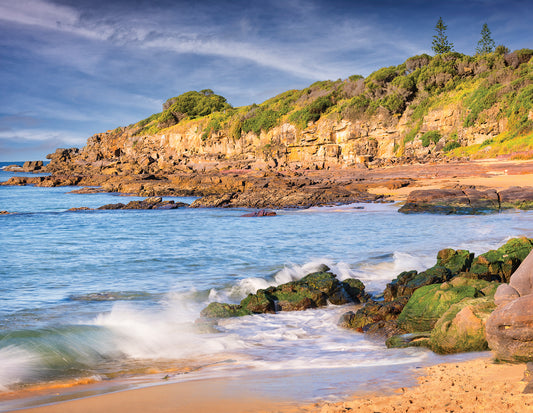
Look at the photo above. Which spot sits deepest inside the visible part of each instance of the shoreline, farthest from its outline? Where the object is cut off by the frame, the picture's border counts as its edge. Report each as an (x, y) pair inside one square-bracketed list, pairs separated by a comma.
[(467, 386)]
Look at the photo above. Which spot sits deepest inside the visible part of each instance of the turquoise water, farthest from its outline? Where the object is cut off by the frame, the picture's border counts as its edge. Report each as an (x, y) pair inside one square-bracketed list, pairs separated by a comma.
[(107, 294)]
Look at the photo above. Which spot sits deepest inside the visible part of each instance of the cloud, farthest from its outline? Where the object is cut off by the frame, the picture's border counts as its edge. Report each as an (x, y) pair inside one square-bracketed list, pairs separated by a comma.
[(33, 135), (299, 38)]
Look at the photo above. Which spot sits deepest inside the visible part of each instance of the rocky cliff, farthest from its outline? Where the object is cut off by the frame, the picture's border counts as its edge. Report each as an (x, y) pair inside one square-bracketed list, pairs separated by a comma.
[(425, 108)]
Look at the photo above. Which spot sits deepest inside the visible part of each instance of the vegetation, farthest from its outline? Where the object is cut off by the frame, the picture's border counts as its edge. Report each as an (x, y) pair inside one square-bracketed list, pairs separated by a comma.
[(483, 88), (429, 137)]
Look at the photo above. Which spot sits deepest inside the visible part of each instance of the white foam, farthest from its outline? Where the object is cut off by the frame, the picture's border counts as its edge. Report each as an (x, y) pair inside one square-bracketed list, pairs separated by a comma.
[(162, 334), (16, 366)]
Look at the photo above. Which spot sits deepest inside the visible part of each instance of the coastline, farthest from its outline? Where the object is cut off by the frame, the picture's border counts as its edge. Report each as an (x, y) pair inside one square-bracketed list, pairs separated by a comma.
[(468, 386)]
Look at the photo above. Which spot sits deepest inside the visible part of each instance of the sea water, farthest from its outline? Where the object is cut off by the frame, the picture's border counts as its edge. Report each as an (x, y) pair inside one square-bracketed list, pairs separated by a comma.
[(101, 295)]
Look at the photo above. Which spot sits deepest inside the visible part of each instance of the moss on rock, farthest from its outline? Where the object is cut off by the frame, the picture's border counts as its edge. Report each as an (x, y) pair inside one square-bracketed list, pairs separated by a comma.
[(429, 303), (462, 327)]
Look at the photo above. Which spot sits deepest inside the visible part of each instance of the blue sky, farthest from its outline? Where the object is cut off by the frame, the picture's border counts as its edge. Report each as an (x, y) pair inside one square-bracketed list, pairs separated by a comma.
[(71, 68)]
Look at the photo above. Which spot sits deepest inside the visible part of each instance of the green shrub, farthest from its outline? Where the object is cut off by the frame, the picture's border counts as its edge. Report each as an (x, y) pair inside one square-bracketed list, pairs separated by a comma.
[(451, 146), (194, 104), (385, 74), (262, 119), (355, 78), (430, 136), (394, 103), (483, 98)]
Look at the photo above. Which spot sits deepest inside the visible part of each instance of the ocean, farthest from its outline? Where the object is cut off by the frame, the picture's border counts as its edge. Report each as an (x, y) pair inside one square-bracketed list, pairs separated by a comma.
[(111, 297)]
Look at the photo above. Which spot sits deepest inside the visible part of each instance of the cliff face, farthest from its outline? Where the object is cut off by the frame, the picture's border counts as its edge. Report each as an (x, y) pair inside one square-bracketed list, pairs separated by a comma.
[(419, 110)]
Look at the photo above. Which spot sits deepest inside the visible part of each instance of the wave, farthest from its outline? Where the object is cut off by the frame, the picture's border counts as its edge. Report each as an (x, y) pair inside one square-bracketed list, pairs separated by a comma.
[(375, 272)]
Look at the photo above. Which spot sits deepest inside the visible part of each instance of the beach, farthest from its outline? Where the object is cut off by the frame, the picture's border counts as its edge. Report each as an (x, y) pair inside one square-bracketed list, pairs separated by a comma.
[(472, 386)]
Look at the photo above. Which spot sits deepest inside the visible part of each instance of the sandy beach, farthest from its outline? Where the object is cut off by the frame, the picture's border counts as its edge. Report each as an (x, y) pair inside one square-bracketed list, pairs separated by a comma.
[(473, 386)]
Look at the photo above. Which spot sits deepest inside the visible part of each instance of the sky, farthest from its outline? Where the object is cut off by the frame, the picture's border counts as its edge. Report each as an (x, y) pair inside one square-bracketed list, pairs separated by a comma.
[(73, 68)]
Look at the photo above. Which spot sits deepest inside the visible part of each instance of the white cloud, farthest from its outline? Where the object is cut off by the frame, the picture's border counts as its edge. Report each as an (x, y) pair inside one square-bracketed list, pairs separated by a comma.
[(36, 135), (37, 13)]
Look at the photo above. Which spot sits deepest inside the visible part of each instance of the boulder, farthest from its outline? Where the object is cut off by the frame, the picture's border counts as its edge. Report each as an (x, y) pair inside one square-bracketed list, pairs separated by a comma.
[(510, 326), (409, 281), (222, 310), (373, 312), (505, 294), (455, 260), (499, 265), (429, 303), (462, 327), (510, 330), (522, 278)]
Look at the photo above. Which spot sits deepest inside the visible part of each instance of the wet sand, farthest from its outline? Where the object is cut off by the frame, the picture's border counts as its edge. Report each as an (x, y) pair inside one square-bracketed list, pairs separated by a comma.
[(472, 386)]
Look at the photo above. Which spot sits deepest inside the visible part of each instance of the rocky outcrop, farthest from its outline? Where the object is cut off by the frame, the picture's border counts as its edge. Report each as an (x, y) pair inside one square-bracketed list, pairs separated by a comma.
[(312, 291), (510, 326), (446, 307), (28, 166), (148, 203), (260, 213), (467, 200)]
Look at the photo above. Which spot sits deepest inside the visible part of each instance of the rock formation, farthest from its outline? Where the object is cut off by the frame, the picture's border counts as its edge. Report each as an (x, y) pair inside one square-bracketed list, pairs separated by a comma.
[(510, 326)]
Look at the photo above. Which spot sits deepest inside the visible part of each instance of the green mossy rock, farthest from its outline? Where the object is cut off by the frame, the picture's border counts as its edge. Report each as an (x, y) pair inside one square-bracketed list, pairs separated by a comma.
[(429, 303), (500, 264), (223, 310), (462, 327), (408, 340), (409, 281), (312, 291), (260, 302), (455, 260), (373, 312), (355, 290)]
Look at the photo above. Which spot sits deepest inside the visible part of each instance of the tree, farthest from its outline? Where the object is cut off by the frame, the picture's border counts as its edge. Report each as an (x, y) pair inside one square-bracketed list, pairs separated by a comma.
[(440, 40), (485, 44)]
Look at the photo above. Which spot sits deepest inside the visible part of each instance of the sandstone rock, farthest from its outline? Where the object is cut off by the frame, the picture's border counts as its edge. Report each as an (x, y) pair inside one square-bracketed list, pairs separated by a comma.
[(505, 294), (467, 200), (510, 330), (522, 279)]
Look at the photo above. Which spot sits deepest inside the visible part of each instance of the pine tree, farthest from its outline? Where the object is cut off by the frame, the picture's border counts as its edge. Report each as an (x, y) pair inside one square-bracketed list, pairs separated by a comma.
[(485, 44), (440, 40)]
